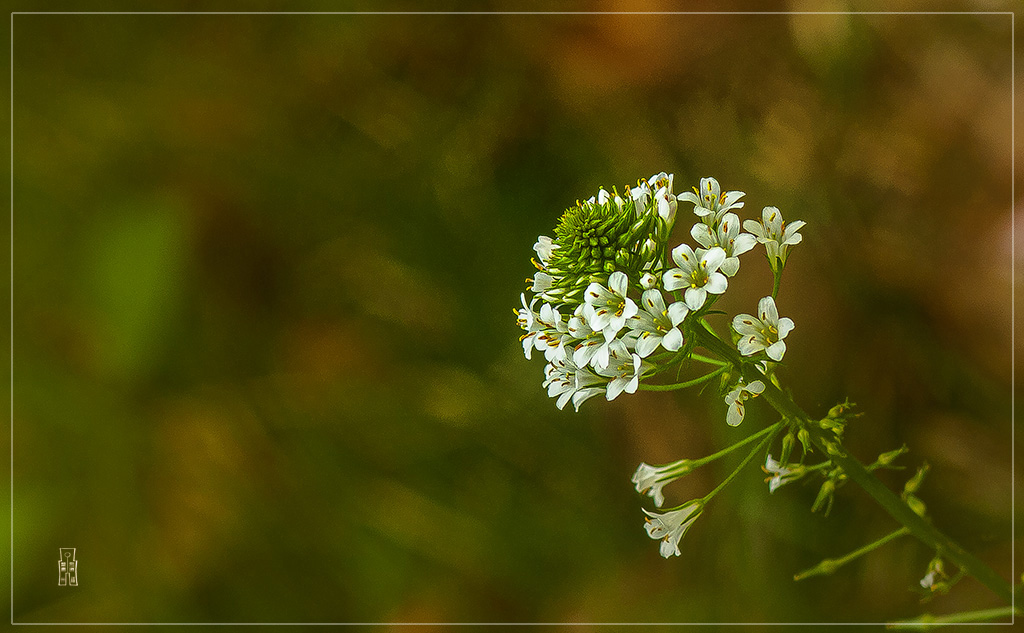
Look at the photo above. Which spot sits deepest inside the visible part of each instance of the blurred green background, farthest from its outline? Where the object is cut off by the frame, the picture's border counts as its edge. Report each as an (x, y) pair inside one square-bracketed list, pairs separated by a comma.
[(265, 365)]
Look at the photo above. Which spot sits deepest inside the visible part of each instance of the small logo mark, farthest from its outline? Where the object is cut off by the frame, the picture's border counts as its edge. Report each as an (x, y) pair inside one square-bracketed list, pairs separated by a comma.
[(68, 568)]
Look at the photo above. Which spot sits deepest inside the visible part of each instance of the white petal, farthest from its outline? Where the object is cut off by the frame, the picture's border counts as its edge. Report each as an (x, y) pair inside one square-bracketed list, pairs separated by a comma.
[(673, 340), (754, 227), (755, 387), (703, 234), (674, 279), (743, 243), (695, 298), (647, 343), (713, 259), (746, 325), (785, 327), (684, 257), (766, 311), (630, 309), (735, 414), (653, 302), (731, 266), (717, 283), (617, 283), (583, 395), (615, 387), (677, 312), (689, 196), (777, 351), (749, 345)]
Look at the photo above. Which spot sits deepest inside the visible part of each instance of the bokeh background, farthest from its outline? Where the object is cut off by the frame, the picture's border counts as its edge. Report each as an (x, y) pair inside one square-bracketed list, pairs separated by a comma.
[(265, 363)]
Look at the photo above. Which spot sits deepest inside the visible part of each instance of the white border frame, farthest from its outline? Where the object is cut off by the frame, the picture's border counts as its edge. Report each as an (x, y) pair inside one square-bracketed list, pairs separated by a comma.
[(1013, 198)]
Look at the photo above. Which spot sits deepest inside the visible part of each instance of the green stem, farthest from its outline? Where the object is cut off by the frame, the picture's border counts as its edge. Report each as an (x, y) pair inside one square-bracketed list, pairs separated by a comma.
[(746, 460), (705, 359), (890, 501), (777, 275), (684, 385), (927, 621), (830, 565), (743, 442)]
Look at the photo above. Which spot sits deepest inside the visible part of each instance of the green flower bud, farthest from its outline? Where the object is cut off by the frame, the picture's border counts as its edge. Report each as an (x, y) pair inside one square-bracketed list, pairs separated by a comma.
[(915, 482), (825, 497), (805, 440), (788, 442), (885, 459)]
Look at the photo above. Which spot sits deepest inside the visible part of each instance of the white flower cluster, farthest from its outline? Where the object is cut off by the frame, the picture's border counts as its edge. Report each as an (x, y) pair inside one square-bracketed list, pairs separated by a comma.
[(609, 298)]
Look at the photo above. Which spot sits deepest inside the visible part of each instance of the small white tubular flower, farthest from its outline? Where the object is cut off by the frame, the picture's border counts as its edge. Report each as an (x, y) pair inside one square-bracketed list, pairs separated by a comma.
[(728, 237), (565, 381), (543, 247), (669, 527), (656, 325), (697, 273), (592, 348), (648, 281), (664, 198), (764, 332), (541, 282), (608, 309), (736, 398), (778, 475), (775, 234), (624, 369), (649, 480), (710, 203), (554, 334), (641, 195), (936, 574)]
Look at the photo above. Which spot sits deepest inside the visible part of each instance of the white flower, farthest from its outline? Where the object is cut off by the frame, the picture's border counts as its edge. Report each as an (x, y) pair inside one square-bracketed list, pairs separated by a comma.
[(664, 198), (764, 332), (592, 347), (935, 576), (670, 526), (649, 480), (737, 396), (699, 275), (656, 325), (624, 369), (710, 203), (549, 332), (608, 309), (773, 232), (566, 381), (780, 475), (544, 246), (641, 195), (648, 281), (541, 282), (728, 237)]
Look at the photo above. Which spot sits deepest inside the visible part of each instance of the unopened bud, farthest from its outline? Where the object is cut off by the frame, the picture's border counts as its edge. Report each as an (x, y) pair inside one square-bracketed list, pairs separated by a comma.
[(788, 442), (915, 482), (886, 459), (825, 497), (918, 506), (805, 440)]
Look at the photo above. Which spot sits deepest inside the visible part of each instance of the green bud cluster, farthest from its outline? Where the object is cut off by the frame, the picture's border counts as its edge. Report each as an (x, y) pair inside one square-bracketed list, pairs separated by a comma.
[(595, 240)]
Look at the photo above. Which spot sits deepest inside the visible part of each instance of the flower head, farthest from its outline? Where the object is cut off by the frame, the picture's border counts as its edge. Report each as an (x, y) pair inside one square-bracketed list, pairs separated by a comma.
[(649, 480), (710, 203), (776, 236), (727, 235), (670, 526), (763, 332), (698, 273), (736, 398)]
